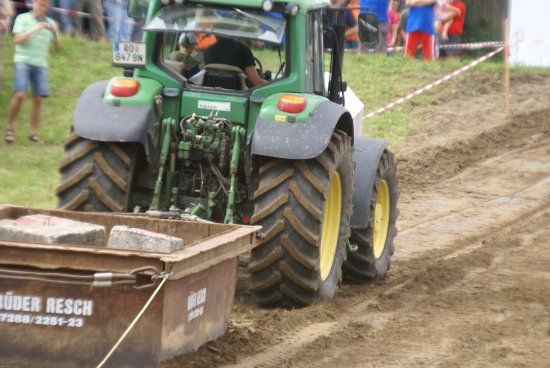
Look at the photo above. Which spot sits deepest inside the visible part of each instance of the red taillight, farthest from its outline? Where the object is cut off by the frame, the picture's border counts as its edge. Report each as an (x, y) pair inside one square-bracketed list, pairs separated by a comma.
[(292, 104), (122, 87)]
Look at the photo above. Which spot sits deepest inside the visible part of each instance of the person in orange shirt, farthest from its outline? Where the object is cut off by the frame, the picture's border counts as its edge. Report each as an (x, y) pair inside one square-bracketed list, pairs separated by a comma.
[(204, 41), (352, 33)]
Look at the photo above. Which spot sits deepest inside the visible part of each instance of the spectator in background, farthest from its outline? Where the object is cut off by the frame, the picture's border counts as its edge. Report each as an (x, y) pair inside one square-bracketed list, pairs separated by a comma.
[(453, 26), (137, 29), (138, 10), (65, 19), (401, 29), (330, 17), (393, 23), (352, 33), (421, 28), (33, 33), (6, 13), (119, 24), (95, 8), (380, 8)]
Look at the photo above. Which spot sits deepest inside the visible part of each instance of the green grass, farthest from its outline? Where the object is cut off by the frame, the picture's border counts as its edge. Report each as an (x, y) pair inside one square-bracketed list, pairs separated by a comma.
[(379, 81), (29, 172)]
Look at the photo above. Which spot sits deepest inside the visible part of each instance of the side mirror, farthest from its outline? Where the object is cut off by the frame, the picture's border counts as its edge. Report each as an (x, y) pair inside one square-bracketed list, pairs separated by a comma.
[(137, 9), (368, 28)]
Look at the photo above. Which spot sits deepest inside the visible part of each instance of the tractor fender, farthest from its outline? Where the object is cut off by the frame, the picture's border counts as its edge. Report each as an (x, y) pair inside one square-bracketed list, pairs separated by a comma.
[(301, 141), (96, 120), (366, 156)]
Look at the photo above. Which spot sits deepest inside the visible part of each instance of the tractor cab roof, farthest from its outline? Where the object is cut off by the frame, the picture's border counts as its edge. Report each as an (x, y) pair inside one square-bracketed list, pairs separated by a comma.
[(231, 22), (259, 20), (304, 5)]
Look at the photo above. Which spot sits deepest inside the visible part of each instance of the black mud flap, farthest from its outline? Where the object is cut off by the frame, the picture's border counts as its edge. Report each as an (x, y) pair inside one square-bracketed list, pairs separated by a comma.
[(95, 120), (301, 141), (366, 155)]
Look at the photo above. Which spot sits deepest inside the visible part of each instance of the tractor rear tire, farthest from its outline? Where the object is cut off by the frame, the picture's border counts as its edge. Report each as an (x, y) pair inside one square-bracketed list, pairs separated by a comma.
[(371, 261), (96, 176), (304, 207)]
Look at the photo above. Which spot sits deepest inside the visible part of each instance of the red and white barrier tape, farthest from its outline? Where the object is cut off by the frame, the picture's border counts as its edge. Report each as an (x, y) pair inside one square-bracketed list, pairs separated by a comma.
[(461, 46), (473, 46), (77, 13), (434, 84), (394, 49)]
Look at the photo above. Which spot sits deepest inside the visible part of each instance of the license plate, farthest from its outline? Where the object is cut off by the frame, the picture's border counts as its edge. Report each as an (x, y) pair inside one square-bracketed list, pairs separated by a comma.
[(129, 54)]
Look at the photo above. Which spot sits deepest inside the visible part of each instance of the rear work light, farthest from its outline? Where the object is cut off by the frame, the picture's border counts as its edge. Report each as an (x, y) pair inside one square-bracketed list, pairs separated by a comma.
[(122, 87), (292, 104)]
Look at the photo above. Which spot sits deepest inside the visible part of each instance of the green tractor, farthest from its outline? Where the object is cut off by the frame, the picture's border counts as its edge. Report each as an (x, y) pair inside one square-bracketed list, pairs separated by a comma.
[(286, 154)]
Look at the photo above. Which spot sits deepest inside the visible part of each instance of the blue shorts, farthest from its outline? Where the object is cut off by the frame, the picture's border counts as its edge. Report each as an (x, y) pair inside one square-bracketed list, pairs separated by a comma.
[(36, 75)]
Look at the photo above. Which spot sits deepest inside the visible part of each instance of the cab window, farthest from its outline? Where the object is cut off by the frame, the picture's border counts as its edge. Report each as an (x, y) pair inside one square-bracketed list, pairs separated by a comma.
[(314, 67)]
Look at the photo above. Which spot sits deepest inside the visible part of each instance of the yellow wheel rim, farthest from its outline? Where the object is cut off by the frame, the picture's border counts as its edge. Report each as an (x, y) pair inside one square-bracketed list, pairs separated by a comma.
[(331, 225), (381, 219)]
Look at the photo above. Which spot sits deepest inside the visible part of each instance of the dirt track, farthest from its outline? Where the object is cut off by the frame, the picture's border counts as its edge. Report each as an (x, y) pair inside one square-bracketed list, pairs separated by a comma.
[(470, 280)]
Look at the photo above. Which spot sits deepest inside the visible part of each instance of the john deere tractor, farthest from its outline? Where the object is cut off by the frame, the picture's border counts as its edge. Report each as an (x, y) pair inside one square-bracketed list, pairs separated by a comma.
[(286, 154)]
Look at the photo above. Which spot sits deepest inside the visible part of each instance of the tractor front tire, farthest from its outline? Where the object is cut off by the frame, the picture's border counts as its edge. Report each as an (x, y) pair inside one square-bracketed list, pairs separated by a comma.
[(375, 247), (304, 207), (96, 176)]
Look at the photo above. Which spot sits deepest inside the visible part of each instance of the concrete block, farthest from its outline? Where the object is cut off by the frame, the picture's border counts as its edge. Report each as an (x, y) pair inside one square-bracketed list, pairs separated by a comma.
[(123, 237), (45, 229)]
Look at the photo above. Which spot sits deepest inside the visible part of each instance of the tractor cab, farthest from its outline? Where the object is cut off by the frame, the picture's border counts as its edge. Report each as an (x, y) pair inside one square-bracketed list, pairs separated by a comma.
[(241, 41), (284, 38)]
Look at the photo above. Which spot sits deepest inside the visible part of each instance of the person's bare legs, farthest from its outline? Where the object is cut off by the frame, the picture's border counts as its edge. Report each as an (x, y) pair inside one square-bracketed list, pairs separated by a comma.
[(15, 107), (445, 29), (35, 114)]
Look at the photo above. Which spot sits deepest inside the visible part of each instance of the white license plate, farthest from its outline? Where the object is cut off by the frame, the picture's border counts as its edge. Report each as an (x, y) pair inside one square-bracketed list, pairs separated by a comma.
[(129, 54)]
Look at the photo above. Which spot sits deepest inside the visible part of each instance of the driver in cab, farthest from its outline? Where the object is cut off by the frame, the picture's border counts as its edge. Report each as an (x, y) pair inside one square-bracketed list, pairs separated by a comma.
[(230, 52)]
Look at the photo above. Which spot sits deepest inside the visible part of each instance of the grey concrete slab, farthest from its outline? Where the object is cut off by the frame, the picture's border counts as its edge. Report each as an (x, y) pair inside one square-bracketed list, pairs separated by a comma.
[(123, 237), (44, 229)]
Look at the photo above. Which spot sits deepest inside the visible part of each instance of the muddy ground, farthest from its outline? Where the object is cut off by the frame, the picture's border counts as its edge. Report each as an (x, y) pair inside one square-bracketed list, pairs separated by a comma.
[(470, 280)]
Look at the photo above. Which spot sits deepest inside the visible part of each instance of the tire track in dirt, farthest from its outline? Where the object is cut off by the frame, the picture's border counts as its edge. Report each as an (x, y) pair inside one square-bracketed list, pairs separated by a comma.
[(430, 165), (488, 215), (535, 192), (279, 337), (439, 271), (433, 290)]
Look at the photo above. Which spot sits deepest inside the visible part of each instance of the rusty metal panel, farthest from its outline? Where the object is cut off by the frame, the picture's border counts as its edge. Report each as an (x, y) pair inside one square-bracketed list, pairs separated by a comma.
[(52, 332), (197, 308), (210, 243), (73, 326), (203, 255), (86, 259), (46, 324)]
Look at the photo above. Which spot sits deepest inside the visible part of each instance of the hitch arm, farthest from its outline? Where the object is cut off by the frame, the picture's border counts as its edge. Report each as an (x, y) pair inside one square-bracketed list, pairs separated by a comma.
[(238, 133), (168, 126)]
